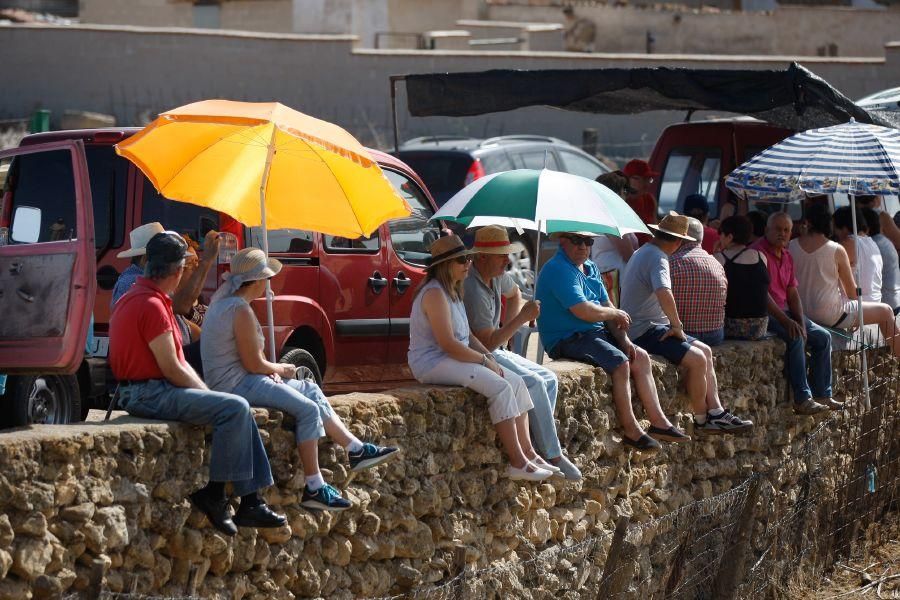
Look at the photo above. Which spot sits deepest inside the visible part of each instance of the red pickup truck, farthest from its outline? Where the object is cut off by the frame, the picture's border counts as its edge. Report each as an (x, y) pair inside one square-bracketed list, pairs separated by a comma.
[(341, 306)]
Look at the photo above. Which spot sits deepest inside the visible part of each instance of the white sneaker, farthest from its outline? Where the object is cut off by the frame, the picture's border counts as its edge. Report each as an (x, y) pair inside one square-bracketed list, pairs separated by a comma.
[(543, 464), (530, 472)]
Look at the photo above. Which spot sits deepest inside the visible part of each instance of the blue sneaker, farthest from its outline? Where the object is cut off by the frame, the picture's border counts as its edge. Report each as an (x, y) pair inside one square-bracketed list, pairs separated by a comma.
[(324, 498), (370, 455)]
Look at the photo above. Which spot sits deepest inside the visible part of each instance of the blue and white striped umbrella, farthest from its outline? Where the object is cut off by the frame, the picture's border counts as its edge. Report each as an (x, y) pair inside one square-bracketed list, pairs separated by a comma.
[(853, 158)]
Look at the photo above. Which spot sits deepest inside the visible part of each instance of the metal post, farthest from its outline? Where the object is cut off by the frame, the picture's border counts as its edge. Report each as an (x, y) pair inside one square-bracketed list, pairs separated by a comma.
[(731, 563), (612, 558), (394, 80), (270, 154), (859, 301)]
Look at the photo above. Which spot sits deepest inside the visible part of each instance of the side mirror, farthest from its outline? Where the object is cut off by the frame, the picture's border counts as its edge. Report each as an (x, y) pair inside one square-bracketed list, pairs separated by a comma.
[(26, 225)]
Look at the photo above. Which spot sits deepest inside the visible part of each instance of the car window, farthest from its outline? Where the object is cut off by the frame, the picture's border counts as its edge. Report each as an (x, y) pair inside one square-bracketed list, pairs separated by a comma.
[(578, 164), (495, 162), (690, 171), (444, 173), (284, 241), (41, 189), (195, 221), (335, 244), (412, 236), (537, 159), (109, 180)]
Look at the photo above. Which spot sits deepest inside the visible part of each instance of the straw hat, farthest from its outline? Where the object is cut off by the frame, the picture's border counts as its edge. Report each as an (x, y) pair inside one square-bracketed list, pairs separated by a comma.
[(493, 239), (250, 264), (139, 237), (447, 248), (674, 224)]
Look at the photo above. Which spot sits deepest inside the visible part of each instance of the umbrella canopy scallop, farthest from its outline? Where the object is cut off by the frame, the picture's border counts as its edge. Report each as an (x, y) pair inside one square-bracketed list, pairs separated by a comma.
[(852, 158)]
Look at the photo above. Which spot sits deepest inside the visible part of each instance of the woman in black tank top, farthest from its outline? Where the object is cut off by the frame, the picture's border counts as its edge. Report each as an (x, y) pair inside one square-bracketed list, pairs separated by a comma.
[(746, 314)]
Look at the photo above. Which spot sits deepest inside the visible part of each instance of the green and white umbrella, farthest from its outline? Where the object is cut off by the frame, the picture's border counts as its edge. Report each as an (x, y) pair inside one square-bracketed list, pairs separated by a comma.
[(545, 200)]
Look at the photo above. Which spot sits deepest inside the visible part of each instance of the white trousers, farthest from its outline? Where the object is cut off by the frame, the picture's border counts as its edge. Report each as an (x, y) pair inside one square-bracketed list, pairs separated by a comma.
[(507, 396)]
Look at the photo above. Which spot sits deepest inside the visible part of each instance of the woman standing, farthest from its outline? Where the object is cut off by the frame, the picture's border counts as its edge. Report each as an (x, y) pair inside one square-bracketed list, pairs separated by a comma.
[(442, 351), (746, 314), (233, 360)]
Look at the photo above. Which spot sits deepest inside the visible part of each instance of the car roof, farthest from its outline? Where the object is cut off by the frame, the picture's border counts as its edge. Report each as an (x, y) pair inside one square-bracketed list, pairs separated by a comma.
[(475, 145)]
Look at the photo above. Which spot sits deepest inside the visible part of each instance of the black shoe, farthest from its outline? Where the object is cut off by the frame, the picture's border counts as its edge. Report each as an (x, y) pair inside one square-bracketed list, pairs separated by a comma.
[(258, 516), (670, 434), (216, 510), (645, 443)]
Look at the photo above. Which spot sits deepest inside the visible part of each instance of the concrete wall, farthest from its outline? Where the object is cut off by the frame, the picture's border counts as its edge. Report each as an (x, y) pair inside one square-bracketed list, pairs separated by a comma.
[(788, 30), (134, 73), (245, 15), (111, 497)]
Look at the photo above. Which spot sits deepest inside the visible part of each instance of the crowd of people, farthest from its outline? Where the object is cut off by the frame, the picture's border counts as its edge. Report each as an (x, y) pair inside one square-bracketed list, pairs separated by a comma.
[(606, 301)]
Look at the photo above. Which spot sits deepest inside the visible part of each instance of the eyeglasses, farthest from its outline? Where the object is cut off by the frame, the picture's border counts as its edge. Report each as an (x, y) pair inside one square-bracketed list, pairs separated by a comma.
[(462, 260), (578, 240)]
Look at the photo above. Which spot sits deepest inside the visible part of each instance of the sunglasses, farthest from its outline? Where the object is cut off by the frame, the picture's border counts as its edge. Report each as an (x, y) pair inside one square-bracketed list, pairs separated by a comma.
[(577, 240), (461, 260)]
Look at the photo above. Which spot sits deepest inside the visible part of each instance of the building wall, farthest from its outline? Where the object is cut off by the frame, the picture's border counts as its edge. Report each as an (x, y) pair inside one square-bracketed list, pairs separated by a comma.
[(244, 15), (151, 70), (788, 30)]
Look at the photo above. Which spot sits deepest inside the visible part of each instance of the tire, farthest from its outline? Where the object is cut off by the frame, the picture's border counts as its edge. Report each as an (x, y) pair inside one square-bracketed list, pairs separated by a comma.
[(307, 367), (43, 399)]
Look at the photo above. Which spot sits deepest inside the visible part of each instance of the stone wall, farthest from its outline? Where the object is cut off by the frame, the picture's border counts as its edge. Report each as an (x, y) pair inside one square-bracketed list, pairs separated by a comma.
[(110, 497)]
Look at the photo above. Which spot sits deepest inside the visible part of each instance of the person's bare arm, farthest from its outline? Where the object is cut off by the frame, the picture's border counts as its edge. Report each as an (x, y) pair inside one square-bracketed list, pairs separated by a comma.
[(667, 303), (597, 313), (250, 350), (189, 289), (492, 338), (796, 306), (889, 229), (175, 372), (849, 246), (622, 246), (845, 273)]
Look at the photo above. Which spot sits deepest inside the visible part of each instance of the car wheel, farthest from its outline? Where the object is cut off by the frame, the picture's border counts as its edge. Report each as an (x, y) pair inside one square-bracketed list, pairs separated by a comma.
[(307, 368), (44, 399)]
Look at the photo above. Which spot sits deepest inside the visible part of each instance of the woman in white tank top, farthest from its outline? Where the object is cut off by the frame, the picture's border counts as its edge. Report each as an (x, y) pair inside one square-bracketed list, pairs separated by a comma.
[(860, 248), (825, 281)]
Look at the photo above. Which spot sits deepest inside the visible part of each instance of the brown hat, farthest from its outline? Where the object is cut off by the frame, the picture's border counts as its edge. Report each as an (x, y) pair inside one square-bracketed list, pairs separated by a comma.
[(674, 224), (447, 248), (493, 239)]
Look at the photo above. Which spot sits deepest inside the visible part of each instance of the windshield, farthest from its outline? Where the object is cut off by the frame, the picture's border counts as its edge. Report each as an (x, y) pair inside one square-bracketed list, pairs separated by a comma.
[(444, 174)]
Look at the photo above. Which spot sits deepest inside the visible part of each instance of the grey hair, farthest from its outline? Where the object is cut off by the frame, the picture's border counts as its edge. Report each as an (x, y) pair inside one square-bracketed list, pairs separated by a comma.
[(156, 271), (695, 229)]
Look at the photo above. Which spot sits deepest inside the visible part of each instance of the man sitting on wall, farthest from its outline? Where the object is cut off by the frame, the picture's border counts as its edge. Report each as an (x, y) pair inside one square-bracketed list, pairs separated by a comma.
[(700, 288), (486, 283), (578, 321), (157, 383), (657, 327)]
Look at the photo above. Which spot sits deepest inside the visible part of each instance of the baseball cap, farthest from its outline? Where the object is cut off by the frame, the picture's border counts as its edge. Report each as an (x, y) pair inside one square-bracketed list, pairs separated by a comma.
[(166, 248)]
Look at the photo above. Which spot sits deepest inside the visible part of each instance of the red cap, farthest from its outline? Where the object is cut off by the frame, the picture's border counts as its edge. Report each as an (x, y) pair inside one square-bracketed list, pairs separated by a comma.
[(639, 168)]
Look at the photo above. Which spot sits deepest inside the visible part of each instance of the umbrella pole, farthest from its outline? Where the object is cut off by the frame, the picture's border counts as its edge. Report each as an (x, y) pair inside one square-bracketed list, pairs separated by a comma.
[(265, 242), (861, 323)]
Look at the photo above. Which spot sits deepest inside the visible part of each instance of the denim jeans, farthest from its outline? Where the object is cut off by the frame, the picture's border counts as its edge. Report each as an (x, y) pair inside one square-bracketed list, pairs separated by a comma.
[(818, 340), (303, 400), (710, 338), (237, 454), (542, 387)]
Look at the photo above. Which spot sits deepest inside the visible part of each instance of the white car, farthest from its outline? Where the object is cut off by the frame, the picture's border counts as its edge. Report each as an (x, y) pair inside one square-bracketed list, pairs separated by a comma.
[(888, 99)]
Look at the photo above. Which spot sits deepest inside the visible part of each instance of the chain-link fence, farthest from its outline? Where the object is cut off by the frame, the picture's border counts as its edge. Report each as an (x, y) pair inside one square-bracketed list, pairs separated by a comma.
[(759, 539)]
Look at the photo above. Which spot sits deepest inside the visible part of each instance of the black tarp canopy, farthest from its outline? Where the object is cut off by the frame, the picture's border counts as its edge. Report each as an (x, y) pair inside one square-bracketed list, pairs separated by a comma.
[(794, 98)]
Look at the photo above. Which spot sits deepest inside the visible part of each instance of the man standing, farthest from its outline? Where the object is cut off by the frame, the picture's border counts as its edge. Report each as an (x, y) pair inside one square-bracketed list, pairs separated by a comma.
[(578, 321), (657, 328), (157, 383), (484, 286), (700, 288), (787, 321), (697, 207)]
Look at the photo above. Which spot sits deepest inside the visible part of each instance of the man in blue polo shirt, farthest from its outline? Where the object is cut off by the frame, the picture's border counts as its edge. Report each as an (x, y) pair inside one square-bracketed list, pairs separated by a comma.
[(579, 322)]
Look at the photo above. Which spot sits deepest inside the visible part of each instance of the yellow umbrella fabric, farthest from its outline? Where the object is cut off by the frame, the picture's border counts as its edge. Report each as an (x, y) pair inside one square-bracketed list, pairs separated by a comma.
[(216, 153)]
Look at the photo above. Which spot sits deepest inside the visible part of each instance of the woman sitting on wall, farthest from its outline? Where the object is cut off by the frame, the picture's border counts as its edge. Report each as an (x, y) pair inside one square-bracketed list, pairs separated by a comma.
[(746, 312), (826, 284), (442, 351), (233, 360)]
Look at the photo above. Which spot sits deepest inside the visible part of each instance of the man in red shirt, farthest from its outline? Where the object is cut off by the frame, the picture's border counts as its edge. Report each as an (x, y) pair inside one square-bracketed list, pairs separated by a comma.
[(697, 207), (641, 200), (787, 321), (157, 383)]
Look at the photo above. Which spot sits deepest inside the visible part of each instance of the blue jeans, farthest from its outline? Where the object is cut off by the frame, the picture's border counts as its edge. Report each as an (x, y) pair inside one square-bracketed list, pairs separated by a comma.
[(237, 454), (542, 387), (818, 341), (303, 400), (710, 338)]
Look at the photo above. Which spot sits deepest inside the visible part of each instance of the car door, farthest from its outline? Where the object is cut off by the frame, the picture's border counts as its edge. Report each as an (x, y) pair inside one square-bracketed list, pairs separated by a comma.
[(353, 279), (410, 244), (47, 263)]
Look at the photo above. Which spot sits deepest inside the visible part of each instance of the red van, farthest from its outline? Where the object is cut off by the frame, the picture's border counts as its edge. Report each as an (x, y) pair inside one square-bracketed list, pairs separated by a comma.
[(341, 306)]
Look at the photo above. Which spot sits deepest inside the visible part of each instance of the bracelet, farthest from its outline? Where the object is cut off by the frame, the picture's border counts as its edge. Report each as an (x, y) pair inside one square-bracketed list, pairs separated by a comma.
[(484, 360)]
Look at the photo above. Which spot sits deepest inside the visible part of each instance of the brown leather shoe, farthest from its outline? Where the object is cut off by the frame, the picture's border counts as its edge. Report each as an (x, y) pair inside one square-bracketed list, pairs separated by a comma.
[(831, 403)]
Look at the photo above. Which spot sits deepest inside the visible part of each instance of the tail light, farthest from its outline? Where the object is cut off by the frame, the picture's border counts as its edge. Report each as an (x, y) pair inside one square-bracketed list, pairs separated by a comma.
[(475, 171)]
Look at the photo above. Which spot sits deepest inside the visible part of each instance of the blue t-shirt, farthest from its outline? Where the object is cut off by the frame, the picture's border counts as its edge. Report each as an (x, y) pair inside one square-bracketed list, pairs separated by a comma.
[(646, 272), (560, 286)]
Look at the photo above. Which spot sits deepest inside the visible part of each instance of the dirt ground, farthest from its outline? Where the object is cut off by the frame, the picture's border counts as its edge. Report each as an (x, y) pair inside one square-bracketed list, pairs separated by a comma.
[(877, 577)]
